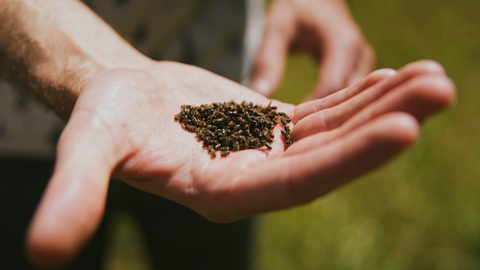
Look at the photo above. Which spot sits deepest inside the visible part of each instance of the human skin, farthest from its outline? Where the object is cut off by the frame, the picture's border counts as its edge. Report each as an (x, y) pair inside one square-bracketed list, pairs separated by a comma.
[(120, 107), (322, 28)]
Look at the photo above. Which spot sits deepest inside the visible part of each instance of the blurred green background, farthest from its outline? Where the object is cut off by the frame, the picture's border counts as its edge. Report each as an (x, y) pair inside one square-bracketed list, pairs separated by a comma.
[(421, 211)]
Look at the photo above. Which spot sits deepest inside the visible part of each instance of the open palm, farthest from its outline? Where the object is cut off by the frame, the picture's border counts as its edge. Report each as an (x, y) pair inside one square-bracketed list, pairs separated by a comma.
[(122, 126)]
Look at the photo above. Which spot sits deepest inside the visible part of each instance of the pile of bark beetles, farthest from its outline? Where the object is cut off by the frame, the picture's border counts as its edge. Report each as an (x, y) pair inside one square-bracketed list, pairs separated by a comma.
[(229, 126)]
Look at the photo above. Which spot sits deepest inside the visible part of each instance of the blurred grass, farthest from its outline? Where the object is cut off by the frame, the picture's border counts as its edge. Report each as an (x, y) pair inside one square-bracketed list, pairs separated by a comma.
[(127, 249), (421, 211)]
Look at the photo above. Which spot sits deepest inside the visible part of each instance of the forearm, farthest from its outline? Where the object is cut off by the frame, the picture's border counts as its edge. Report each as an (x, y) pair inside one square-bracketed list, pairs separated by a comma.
[(54, 46)]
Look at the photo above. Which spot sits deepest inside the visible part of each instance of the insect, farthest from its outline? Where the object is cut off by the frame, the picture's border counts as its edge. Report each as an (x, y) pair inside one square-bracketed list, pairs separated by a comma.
[(230, 126)]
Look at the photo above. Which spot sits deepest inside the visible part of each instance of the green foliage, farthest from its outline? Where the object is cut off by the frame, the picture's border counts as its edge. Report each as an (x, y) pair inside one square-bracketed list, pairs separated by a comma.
[(422, 211)]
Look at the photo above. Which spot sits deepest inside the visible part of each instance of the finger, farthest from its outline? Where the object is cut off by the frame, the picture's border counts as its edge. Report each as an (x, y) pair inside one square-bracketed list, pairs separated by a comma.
[(340, 52), (364, 65), (334, 117), (337, 62), (419, 97), (270, 61), (298, 179), (313, 106), (412, 69), (73, 203)]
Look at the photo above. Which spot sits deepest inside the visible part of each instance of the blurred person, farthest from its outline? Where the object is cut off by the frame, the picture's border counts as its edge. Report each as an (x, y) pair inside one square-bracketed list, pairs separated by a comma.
[(120, 104)]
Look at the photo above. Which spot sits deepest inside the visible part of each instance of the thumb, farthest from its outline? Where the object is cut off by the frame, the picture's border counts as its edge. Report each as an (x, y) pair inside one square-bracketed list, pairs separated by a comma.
[(270, 61), (73, 203)]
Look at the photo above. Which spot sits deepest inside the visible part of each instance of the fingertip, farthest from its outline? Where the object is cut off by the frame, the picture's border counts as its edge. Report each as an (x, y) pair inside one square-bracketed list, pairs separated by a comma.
[(445, 88), (400, 127), (423, 67), (45, 253), (408, 125), (427, 94), (438, 88), (66, 218), (431, 66), (380, 74), (376, 77)]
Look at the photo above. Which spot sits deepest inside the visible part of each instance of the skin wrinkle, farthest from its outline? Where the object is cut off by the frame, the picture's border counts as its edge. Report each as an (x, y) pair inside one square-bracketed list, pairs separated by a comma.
[(161, 125), (228, 188), (116, 146), (246, 167), (326, 118), (109, 131), (159, 129), (130, 167), (228, 195), (130, 143), (191, 189)]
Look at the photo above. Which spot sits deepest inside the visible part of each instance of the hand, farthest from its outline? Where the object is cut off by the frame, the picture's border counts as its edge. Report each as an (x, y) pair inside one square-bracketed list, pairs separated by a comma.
[(326, 30), (122, 126)]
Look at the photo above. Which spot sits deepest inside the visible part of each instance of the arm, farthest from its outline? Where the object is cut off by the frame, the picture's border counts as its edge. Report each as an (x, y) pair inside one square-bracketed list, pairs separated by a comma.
[(122, 126), (53, 47)]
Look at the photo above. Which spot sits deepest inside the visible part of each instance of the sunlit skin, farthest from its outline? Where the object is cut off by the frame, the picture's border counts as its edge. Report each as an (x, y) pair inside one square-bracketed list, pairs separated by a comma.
[(121, 125), (338, 138)]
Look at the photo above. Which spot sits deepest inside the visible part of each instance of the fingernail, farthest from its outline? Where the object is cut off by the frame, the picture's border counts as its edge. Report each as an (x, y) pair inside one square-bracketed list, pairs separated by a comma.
[(262, 86)]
